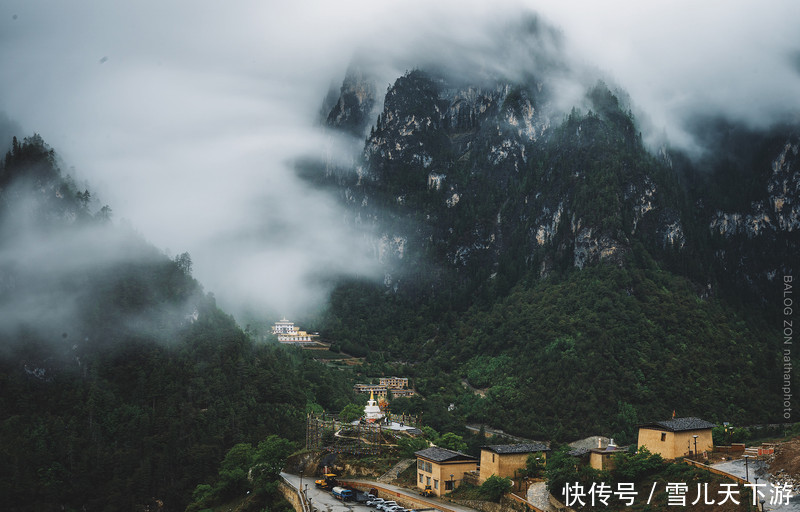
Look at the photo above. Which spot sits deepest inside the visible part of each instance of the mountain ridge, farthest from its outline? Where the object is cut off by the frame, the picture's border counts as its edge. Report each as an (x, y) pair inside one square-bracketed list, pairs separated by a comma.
[(476, 194)]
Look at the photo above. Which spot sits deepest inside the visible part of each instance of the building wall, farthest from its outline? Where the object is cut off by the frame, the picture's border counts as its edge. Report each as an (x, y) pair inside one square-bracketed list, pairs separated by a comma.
[(657, 441), (601, 461), (439, 475), (501, 465), (402, 392), (684, 442), (671, 445), (371, 388), (394, 382)]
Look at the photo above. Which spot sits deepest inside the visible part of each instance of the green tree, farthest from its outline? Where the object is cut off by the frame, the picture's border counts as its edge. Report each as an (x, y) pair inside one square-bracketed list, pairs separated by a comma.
[(561, 468), (269, 459), (494, 487), (184, 263), (451, 441), (351, 412), (431, 434), (629, 467), (534, 466), (409, 445), (234, 469)]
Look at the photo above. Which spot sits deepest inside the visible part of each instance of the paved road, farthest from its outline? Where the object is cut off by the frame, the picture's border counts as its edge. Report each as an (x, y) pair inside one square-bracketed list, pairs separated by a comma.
[(324, 501), (539, 496), (757, 469)]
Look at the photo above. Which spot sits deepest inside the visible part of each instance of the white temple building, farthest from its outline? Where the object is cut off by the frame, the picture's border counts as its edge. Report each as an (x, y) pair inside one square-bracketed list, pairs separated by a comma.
[(288, 334), (372, 412)]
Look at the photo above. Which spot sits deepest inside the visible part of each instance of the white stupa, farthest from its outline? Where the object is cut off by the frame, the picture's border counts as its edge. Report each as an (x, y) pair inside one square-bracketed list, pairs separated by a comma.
[(372, 412)]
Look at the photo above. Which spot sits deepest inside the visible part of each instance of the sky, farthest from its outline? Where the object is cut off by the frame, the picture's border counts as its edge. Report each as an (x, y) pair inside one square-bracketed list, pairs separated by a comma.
[(185, 117)]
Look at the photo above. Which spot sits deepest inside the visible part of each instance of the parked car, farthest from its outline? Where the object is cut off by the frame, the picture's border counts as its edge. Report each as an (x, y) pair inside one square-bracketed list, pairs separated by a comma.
[(386, 505), (363, 497), (396, 508), (374, 502)]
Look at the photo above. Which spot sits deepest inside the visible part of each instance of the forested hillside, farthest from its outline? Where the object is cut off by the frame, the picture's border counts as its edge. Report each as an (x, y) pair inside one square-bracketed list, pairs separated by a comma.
[(579, 280), (121, 381)]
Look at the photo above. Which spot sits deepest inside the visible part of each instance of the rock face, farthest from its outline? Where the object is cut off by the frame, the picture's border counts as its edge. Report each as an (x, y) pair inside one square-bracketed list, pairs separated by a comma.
[(355, 103), (490, 180), (759, 241), (779, 211)]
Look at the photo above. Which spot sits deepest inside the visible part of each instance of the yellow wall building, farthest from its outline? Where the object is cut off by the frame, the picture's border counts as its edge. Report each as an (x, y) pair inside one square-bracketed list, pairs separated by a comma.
[(375, 389), (394, 382), (397, 386), (602, 460), (676, 437), (442, 470), (505, 460)]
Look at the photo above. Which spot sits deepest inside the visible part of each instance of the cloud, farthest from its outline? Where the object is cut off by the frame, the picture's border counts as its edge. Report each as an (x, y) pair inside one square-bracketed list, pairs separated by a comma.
[(186, 117), (681, 59), (54, 257)]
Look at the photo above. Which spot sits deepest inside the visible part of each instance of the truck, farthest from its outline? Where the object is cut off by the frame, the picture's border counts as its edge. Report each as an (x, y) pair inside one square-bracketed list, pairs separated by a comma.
[(327, 481), (342, 494)]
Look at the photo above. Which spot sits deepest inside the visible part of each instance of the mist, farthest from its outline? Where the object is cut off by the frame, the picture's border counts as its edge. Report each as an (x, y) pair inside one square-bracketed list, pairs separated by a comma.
[(187, 119)]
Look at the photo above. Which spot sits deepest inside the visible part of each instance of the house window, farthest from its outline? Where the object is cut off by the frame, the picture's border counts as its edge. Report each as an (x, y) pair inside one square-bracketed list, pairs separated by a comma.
[(435, 484), (429, 480), (492, 457), (420, 478), (663, 436), (448, 485)]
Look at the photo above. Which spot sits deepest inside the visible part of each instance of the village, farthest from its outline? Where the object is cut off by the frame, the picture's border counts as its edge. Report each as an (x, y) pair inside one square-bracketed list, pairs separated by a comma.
[(430, 478)]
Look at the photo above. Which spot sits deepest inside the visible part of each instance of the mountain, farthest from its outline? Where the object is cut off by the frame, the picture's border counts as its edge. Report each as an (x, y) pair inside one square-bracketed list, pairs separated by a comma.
[(122, 384), (555, 260)]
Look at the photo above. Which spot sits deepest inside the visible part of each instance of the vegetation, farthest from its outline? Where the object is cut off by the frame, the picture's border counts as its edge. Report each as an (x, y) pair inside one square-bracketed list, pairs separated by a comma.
[(633, 344), (494, 487), (246, 470), (535, 465), (580, 485), (141, 388), (491, 315), (138, 394)]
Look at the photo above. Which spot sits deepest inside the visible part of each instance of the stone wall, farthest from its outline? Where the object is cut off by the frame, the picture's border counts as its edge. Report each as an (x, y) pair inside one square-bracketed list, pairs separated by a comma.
[(290, 493)]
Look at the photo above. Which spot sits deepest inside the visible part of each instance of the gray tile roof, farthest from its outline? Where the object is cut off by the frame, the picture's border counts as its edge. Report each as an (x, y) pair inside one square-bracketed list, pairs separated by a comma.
[(579, 452), (503, 449), (679, 424), (437, 454)]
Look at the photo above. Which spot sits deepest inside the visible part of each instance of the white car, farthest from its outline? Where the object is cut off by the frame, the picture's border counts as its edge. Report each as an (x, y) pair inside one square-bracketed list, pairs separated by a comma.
[(396, 508), (375, 502), (387, 505)]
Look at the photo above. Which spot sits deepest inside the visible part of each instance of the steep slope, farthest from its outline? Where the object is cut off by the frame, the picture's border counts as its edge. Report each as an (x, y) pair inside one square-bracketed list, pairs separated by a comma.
[(495, 216), (121, 382), (481, 179)]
